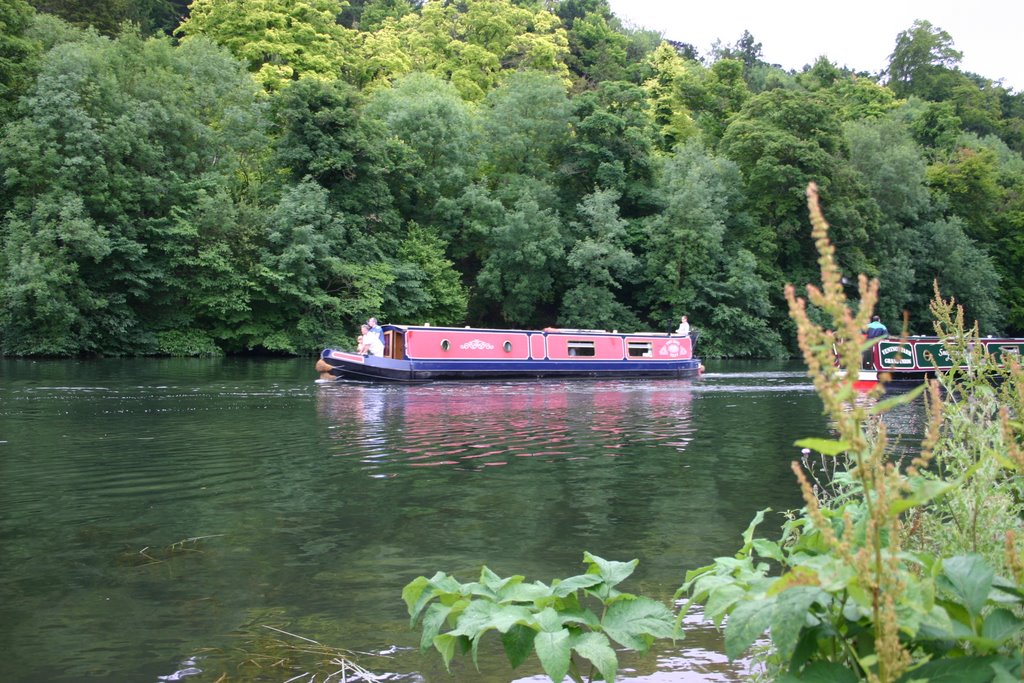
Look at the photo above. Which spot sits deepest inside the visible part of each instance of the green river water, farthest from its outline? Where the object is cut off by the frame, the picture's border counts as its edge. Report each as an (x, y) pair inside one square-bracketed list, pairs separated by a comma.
[(157, 516)]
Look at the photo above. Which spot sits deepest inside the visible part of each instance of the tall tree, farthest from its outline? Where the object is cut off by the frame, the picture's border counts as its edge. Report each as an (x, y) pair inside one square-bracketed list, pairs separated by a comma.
[(695, 260), (598, 265), (923, 61), (472, 43), (524, 253), (17, 52), (427, 115), (280, 40), (118, 134)]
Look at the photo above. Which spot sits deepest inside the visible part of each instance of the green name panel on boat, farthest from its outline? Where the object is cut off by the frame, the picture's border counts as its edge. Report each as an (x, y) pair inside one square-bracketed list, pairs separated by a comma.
[(930, 356), (1000, 349), (895, 355)]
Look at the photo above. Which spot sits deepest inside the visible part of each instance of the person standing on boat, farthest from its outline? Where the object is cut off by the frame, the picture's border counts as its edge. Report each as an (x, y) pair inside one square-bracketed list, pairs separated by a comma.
[(684, 327), (375, 339), (876, 330)]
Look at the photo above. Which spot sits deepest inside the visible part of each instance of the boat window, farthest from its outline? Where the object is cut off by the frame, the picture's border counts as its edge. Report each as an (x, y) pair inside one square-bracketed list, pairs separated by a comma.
[(445, 345), (641, 349), (581, 348), (507, 346)]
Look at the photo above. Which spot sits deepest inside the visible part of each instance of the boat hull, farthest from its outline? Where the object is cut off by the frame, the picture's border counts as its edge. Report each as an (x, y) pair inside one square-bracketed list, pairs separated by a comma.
[(907, 362), (343, 365)]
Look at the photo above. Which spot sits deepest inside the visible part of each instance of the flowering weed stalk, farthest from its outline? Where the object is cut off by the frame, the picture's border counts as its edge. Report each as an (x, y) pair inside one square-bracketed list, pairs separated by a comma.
[(849, 601)]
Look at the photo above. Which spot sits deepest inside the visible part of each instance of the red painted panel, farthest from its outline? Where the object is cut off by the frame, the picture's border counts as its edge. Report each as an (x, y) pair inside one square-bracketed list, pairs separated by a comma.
[(427, 344), (605, 347), (537, 348), (671, 348)]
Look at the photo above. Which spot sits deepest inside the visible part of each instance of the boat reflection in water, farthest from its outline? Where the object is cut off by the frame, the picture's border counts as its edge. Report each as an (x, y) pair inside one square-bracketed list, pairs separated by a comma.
[(491, 424)]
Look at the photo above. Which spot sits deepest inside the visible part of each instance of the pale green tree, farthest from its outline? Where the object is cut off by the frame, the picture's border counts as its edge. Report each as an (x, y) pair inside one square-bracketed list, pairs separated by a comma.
[(473, 43), (280, 40)]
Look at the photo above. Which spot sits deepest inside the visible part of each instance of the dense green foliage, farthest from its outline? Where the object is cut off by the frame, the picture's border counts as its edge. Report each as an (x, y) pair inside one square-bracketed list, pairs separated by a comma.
[(893, 571), (231, 176), (554, 622)]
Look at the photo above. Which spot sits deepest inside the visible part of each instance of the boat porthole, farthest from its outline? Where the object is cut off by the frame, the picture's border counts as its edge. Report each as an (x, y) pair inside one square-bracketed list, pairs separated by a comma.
[(508, 347), (445, 344)]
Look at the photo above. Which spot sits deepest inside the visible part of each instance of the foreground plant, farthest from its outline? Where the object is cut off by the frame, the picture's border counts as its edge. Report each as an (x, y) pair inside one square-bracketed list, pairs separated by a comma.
[(555, 621), (850, 602)]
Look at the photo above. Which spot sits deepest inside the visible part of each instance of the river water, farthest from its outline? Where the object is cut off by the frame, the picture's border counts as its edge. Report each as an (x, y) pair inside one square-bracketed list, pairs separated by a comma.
[(158, 518)]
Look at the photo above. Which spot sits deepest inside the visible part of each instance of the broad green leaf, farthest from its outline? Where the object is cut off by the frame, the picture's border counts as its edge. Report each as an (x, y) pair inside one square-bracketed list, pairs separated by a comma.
[(747, 623), (574, 583), (583, 617), (721, 600), (1001, 625), (518, 643), (433, 620), (637, 623), (412, 594), (445, 644), (1004, 672), (553, 652), (596, 648), (748, 535), (549, 620), (611, 572), (953, 670), (970, 578), (821, 672), (523, 592), (481, 616), (790, 617), (823, 446), (923, 490), (495, 583), (769, 549)]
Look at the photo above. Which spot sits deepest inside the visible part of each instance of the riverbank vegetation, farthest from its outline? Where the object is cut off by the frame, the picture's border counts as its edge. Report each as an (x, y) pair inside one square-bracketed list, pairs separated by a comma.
[(893, 571), (260, 176)]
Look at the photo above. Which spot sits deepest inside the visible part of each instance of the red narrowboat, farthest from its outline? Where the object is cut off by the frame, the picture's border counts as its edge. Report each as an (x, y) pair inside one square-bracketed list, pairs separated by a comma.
[(419, 353)]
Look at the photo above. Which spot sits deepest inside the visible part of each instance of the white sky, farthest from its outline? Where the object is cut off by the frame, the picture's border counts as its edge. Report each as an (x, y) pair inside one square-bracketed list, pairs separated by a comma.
[(859, 34)]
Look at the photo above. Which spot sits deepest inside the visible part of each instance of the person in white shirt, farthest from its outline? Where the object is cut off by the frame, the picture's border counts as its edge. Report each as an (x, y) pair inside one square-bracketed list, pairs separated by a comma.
[(375, 331), (684, 327)]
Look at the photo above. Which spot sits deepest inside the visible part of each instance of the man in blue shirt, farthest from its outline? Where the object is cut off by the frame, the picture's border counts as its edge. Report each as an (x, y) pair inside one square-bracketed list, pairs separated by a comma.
[(876, 328)]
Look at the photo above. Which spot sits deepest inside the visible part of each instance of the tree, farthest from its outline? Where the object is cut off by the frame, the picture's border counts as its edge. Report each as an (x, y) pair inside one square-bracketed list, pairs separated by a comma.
[(437, 127), (923, 61), (524, 254), (280, 40), (17, 52), (664, 91), (526, 125), (695, 260), (598, 52), (780, 141), (323, 134), (598, 263), (118, 134), (473, 43), (427, 287), (612, 147)]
